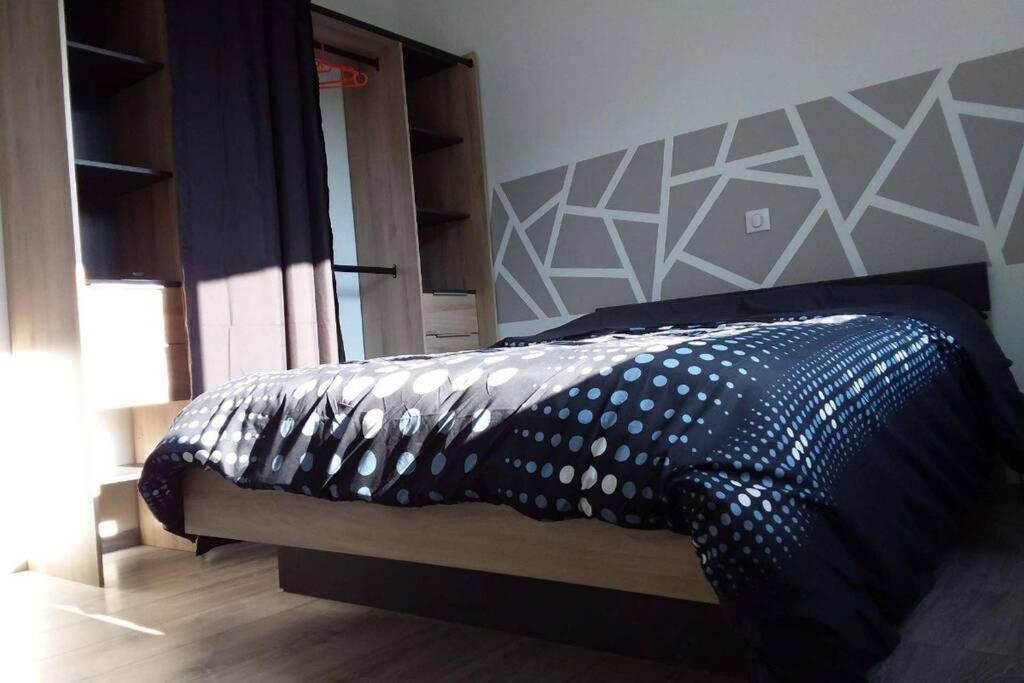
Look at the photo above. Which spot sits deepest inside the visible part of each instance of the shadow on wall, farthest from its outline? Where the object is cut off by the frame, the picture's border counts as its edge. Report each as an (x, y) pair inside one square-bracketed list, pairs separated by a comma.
[(918, 172)]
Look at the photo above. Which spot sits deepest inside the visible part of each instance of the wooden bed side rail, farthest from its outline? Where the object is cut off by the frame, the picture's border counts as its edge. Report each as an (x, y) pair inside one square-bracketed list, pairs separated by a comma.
[(473, 536)]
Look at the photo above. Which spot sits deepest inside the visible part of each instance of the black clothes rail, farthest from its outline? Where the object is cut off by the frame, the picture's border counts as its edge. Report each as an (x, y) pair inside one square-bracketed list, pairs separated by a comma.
[(372, 270)]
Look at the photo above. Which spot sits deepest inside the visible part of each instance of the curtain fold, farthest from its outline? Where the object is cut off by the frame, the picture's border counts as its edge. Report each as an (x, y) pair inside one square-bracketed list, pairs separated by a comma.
[(252, 184)]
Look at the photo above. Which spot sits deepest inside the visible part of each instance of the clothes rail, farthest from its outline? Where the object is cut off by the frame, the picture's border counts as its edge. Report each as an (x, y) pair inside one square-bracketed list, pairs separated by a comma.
[(370, 270)]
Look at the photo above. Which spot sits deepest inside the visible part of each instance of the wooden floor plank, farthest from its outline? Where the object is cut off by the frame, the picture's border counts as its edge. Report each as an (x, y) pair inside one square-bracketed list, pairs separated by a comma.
[(170, 616), (161, 615)]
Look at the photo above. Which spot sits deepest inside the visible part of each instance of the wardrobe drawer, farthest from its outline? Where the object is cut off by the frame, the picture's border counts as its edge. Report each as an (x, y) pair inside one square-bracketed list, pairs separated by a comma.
[(134, 350), (445, 313), (446, 343)]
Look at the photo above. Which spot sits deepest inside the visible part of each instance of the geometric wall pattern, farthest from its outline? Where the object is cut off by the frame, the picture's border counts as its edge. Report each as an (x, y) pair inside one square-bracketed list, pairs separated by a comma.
[(922, 171)]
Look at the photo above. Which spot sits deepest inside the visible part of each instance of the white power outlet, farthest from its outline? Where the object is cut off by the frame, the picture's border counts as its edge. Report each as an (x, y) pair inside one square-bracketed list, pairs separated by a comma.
[(758, 220)]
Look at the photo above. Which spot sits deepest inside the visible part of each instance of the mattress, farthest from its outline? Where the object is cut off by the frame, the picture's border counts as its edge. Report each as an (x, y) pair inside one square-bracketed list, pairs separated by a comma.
[(819, 447)]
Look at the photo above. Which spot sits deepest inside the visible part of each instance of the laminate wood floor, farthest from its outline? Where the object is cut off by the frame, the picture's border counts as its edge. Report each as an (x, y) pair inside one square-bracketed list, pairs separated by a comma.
[(169, 616)]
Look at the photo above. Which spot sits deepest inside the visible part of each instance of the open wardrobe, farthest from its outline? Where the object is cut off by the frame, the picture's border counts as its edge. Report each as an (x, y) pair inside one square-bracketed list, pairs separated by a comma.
[(401, 124), (165, 242)]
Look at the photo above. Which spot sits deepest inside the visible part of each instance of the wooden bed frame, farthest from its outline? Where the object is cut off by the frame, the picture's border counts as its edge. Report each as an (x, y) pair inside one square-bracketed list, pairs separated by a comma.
[(489, 565), (475, 536)]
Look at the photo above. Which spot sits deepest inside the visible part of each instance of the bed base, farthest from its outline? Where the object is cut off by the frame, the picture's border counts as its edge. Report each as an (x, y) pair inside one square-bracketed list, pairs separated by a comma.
[(695, 634), (583, 582)]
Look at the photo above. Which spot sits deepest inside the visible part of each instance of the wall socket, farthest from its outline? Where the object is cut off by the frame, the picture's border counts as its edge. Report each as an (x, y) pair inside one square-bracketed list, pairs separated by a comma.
[(758, 220)]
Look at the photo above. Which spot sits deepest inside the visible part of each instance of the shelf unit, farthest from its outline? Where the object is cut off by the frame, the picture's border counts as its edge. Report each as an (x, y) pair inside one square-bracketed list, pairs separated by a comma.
[(418, 188), (91, 247), (132, 309)]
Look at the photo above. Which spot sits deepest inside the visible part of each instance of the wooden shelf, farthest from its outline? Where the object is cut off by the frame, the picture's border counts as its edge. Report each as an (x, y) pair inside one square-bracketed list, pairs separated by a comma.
[(121, 473), (429, 216), (131, 280), (95, 70), (116, 179), (420, 64), (424, 140)]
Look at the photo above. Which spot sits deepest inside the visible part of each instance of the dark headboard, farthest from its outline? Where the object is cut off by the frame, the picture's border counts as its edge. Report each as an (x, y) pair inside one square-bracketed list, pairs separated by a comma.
[(968, 282)]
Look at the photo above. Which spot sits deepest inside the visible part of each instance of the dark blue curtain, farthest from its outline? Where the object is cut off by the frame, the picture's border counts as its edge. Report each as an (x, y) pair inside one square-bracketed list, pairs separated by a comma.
[(252, 184)]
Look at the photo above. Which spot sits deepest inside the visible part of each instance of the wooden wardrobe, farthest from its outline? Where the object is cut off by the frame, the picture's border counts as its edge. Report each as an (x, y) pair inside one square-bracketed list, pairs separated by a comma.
[(416, 164), (90, 226), (93, 259)]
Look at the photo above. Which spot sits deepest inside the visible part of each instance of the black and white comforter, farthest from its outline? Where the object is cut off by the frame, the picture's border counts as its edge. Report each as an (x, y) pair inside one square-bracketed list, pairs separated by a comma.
[(819, 460)]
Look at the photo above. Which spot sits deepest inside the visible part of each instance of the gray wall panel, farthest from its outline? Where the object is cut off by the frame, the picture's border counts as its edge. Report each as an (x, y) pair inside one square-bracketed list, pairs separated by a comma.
[(881, 178)]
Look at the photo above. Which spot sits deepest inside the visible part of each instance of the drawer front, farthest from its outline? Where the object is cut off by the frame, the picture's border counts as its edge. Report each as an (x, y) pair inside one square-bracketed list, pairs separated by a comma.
[(133, 345), (446, 343), (449, 314)]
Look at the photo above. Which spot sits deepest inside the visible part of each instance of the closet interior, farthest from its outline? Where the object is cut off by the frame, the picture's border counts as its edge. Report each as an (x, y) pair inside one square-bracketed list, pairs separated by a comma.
[(416, 173)]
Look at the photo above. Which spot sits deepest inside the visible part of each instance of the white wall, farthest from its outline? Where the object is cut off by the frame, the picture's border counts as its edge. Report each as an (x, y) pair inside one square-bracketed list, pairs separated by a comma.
[(563, 80), (350, 316), (567, 79)]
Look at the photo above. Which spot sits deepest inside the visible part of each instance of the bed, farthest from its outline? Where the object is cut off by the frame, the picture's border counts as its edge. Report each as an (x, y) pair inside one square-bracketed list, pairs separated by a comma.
[(786, 466)]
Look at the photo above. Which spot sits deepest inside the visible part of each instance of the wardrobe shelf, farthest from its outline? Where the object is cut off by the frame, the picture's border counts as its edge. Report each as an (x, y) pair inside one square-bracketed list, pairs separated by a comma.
[(96, 70), (120, 473), (423, 140), (420, 64), (132, 280), (429, 216), (116, 179)]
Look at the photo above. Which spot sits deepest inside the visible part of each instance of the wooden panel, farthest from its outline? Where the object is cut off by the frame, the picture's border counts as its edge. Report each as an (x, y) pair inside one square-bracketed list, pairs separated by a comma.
[(148, 219), (133, 340), (132, 233), (468, 536), (449, 313), (151, 531), (117, 516), (446, 343), (383, 205), (455, 255), (147, 233), (150, 425), (40, 237)]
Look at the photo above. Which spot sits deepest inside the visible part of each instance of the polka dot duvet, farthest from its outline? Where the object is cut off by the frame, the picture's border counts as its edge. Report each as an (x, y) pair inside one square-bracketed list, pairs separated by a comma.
[(819, 459)]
